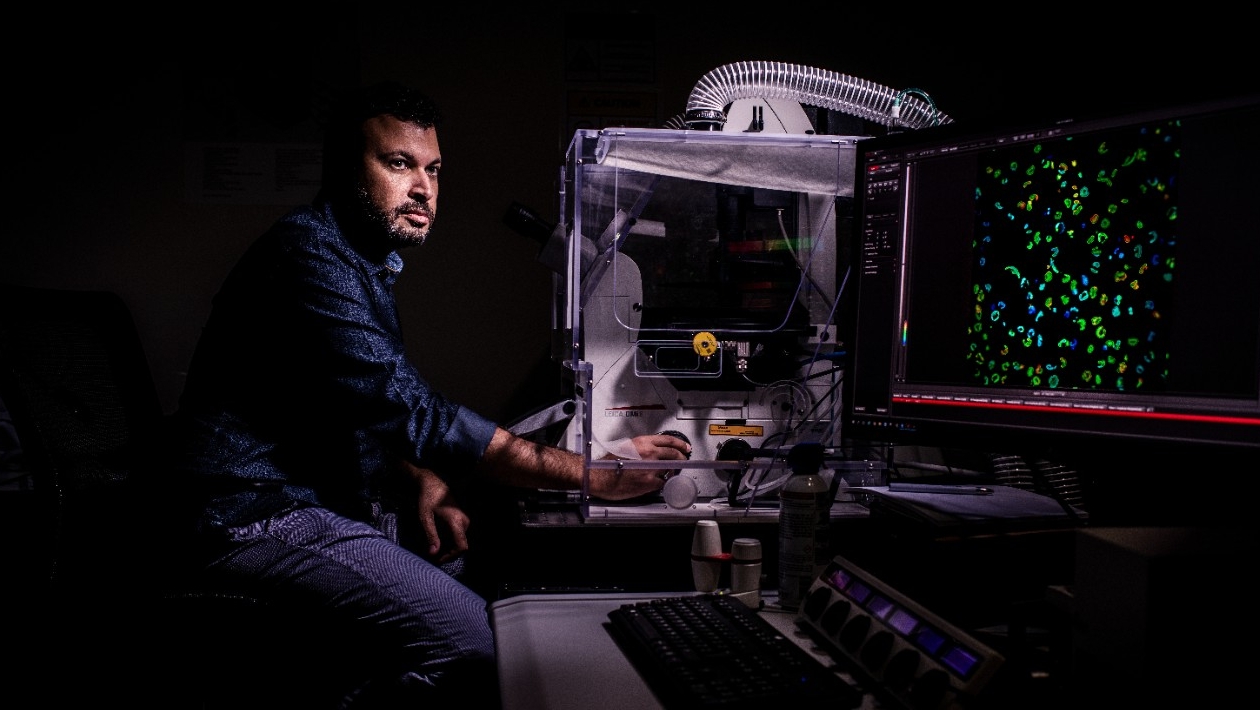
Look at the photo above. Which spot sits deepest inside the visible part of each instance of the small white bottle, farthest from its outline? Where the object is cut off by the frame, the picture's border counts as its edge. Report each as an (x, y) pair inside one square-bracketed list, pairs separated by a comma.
[(804, 525), (706, 555), (746, 571)]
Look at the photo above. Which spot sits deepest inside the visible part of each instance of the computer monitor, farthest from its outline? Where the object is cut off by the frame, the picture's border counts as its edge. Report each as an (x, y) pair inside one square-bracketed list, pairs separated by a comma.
[(1072, 281)]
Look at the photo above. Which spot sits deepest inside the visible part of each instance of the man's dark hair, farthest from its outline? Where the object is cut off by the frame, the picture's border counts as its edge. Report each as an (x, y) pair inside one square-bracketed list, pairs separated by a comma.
[(343, 130)]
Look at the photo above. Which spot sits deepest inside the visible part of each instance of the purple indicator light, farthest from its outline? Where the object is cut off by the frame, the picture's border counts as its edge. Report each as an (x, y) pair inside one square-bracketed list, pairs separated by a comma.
[(880, 606), (960, 660), (840, 578), (859, 591), (929, 639)]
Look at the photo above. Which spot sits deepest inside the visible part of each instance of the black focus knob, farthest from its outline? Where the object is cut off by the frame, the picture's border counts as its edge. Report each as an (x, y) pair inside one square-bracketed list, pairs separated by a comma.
[(676, 435), (734, 450)]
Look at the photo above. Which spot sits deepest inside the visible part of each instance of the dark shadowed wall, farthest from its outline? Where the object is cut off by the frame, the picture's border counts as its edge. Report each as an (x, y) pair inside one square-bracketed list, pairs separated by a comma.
[(146, 155)]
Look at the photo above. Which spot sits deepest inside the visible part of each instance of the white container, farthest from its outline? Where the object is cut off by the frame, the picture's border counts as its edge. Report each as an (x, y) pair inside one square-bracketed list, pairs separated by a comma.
[(706, 555), (746, 571)]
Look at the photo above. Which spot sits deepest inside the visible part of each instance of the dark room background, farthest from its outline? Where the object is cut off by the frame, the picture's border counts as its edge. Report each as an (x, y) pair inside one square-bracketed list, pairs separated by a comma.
[(145, 153)]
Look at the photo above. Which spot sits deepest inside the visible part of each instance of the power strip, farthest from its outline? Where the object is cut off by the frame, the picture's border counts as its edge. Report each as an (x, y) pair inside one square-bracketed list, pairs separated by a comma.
[(916, 658)]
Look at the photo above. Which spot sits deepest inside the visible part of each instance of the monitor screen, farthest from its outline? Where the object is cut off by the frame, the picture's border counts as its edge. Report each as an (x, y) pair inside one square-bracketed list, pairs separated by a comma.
[(1092, 278)]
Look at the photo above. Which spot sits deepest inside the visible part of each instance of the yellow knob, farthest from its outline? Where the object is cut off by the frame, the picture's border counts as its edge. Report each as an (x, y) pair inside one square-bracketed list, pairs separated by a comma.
[(704, 343)]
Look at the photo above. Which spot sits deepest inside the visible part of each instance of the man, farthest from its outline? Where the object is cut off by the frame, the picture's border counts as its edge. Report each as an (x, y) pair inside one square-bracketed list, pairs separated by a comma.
[(302, 414)]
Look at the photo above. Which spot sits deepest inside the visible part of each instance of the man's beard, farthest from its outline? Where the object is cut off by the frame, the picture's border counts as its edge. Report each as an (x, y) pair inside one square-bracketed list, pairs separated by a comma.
[(386, 223)]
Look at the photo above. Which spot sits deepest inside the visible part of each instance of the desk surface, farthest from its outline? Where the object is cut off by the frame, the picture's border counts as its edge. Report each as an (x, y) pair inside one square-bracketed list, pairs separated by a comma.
[(555, 653)]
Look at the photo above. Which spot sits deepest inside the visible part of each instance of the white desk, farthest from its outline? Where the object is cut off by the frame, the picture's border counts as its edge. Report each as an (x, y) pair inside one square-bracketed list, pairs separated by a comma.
[(555, 653)]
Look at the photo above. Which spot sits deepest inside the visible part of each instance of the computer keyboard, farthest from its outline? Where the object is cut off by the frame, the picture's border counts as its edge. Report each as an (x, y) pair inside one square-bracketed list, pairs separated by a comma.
[(711, 651)]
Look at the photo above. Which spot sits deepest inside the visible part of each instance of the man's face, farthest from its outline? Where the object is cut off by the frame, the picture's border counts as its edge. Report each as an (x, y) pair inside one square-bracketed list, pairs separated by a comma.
[(399, 187)]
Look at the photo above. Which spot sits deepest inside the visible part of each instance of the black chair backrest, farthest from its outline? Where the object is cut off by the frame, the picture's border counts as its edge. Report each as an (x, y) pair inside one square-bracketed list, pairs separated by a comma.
[(75, 378)]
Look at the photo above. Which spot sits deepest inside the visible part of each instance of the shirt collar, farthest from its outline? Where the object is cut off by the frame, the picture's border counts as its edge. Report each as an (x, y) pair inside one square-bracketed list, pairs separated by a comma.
[(387, 269), (391, 268)]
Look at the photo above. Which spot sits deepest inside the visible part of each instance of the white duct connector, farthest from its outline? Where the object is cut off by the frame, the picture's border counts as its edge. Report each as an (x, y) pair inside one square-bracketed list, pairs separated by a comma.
[(906, 108)]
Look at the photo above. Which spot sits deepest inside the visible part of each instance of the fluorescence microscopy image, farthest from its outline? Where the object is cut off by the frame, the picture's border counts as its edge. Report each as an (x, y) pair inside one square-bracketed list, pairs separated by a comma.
[(1075, 253)]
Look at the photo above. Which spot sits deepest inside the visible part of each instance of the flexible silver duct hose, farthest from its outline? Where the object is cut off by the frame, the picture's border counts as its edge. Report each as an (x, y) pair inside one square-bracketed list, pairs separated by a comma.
[(908, 108)]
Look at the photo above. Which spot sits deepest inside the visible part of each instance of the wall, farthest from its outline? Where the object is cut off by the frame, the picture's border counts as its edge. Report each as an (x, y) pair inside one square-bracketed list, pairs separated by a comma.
[(106, 113)]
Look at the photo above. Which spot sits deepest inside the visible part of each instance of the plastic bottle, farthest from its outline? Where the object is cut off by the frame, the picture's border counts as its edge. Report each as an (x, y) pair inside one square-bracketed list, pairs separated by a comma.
[(804, 525)]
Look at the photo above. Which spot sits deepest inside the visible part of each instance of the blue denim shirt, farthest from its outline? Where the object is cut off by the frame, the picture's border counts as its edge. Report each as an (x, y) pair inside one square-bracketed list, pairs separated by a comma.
[(301, 379)]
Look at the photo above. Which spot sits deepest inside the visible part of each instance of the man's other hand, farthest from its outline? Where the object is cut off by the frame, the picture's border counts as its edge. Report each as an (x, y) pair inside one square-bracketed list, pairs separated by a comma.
[(443, 525)]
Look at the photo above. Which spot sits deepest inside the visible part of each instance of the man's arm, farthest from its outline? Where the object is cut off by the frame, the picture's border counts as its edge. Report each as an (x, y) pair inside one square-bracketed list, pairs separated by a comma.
[(518, 462), (525, 464)]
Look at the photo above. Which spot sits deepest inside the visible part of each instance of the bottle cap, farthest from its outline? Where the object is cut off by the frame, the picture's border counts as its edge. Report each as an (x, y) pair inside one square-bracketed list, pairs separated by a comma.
[(707, 539), (746, 549)]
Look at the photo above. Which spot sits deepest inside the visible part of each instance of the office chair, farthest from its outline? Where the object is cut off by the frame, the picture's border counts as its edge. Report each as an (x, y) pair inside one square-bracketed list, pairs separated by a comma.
[(106, 618)]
